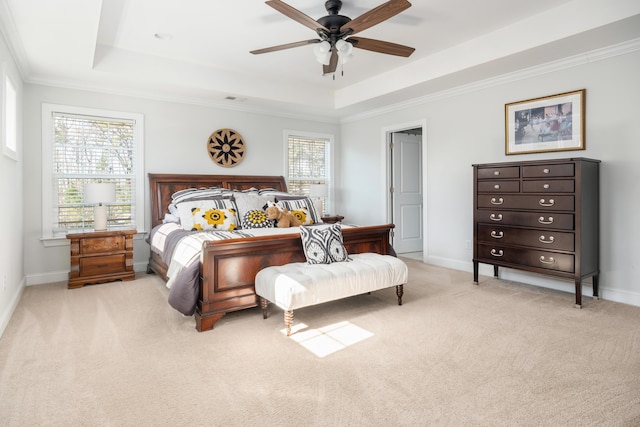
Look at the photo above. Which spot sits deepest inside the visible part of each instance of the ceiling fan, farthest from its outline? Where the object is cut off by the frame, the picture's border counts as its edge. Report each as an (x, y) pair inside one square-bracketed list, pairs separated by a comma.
[(336, 32)]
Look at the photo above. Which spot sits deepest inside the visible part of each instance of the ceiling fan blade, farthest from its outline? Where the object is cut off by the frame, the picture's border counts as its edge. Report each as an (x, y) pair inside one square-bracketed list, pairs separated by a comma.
[(381, 46), (285, 46), (376, 16), (333, 63), (296, 15)]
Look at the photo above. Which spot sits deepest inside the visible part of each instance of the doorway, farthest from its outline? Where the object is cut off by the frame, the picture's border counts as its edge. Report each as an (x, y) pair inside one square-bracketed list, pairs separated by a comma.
[(405, 196)]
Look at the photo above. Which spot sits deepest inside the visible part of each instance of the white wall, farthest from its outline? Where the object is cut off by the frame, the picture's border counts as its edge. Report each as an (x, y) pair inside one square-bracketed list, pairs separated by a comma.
[(175, 142), (466, 127), (11, 215)]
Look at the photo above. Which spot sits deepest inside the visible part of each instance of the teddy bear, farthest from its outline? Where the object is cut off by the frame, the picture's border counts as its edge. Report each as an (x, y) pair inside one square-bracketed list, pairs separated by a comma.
[(282, 216)]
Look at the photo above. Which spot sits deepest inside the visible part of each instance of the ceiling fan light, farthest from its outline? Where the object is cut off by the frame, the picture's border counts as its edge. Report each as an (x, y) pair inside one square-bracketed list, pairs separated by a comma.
[(344, 48), (322, 48), (345, 58)]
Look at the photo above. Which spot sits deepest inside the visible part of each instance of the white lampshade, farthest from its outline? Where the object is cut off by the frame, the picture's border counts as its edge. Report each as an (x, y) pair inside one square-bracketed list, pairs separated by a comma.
[(318, 190), (98, 194)]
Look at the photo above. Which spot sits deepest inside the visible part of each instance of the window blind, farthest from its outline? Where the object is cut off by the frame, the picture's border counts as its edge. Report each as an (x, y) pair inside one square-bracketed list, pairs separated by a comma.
[(90, 149), (308, 163)]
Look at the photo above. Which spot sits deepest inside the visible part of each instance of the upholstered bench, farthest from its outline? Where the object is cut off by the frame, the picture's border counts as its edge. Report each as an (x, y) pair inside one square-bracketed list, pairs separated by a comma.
[(297, 285)]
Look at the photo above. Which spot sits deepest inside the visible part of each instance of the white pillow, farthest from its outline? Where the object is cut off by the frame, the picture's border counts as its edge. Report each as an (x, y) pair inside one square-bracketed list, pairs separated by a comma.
[(248, 201), (214, 214)]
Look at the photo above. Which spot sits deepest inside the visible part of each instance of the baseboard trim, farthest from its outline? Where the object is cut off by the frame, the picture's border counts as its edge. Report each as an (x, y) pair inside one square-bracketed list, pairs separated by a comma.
[(63, 276), (6, 316)]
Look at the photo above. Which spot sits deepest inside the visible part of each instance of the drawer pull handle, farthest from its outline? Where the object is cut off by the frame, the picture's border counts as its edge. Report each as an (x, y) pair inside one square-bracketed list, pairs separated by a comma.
[(546, 186), (497, 253), (497, 234), (497, 186), (544, 261), (543, 202), (496, 173), (542, 221), (542, 239), (545, 170), (494, 217), (497, 202)]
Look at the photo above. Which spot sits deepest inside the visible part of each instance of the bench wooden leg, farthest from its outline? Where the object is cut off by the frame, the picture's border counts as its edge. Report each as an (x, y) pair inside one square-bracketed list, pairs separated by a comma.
[(288, 320), (399, 292), (264, 304)]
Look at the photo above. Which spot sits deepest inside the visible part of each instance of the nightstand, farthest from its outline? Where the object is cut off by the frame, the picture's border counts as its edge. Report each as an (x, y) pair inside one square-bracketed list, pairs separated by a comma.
[(101, 256), (332, 219)]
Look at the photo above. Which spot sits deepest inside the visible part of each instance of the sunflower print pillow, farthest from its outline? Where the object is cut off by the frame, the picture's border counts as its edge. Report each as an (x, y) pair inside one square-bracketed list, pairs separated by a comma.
[(256, 218), (216, 214)]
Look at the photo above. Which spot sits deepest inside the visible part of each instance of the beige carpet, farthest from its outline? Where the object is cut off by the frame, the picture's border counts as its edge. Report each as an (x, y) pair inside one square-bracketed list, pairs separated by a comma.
[(454, 354)]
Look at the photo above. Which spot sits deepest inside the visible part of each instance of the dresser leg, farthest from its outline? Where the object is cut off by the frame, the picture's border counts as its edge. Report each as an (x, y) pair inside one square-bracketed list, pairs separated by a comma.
[(475, 272), (578, 293), (595, 287), (495, 271)]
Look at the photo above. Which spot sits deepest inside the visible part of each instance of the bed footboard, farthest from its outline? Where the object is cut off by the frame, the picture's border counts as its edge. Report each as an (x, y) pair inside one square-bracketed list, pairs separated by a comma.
[(229, 267)]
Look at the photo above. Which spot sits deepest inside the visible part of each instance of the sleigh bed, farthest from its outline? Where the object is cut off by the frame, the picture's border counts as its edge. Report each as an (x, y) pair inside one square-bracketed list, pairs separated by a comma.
[(227, 268)]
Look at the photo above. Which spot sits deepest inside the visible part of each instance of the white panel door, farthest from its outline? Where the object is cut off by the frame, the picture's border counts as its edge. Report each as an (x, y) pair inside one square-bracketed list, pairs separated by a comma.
[(406, 156)]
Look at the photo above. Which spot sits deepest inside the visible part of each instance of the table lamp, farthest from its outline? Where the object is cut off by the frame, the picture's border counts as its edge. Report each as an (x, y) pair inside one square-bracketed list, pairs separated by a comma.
[(99, 194), (317, 192)]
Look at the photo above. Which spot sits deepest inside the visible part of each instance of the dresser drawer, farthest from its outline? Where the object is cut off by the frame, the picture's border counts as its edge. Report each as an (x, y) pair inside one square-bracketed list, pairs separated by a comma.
[(97, 245), (547, 239), (545, 220), (498, 186), (514, 201), (91, 266), (499, 172), (528, 257), (549, 186), (536, 171)]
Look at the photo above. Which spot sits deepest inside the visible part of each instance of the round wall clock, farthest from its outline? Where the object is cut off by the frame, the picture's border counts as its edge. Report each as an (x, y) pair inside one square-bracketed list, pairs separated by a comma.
[(226, 147)]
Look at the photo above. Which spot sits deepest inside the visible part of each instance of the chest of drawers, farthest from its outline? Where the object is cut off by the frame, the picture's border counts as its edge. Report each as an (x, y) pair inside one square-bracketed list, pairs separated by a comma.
[(101, 256), (538, 216)]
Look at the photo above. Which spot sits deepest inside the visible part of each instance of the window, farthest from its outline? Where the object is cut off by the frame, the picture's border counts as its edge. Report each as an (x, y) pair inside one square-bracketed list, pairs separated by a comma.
[(9, 116), (82, 146), (309, 162)]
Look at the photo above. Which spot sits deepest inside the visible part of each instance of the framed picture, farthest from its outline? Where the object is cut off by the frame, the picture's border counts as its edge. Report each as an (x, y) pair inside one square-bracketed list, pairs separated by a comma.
[(550, 123)]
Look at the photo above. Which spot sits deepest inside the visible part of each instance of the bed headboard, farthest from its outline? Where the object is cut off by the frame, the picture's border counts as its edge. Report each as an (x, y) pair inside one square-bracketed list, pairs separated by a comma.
[(163, 185)]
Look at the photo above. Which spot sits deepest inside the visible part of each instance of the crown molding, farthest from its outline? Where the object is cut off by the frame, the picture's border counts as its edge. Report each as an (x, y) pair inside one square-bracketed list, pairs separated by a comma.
[(538, 70), (13, 42)]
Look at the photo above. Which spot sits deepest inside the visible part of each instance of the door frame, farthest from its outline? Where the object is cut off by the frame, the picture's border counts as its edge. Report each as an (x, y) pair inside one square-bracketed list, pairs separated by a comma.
[(386, 156)]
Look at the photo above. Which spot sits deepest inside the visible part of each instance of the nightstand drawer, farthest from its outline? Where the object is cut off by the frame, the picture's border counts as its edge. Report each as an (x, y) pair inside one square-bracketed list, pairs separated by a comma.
[(100, 256), (107, 264), (100, 245)]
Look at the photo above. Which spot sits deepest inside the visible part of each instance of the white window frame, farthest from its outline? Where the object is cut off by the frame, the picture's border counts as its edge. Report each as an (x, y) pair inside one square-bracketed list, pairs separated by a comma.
[(10, 97), (48, 236), (312, 135)]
